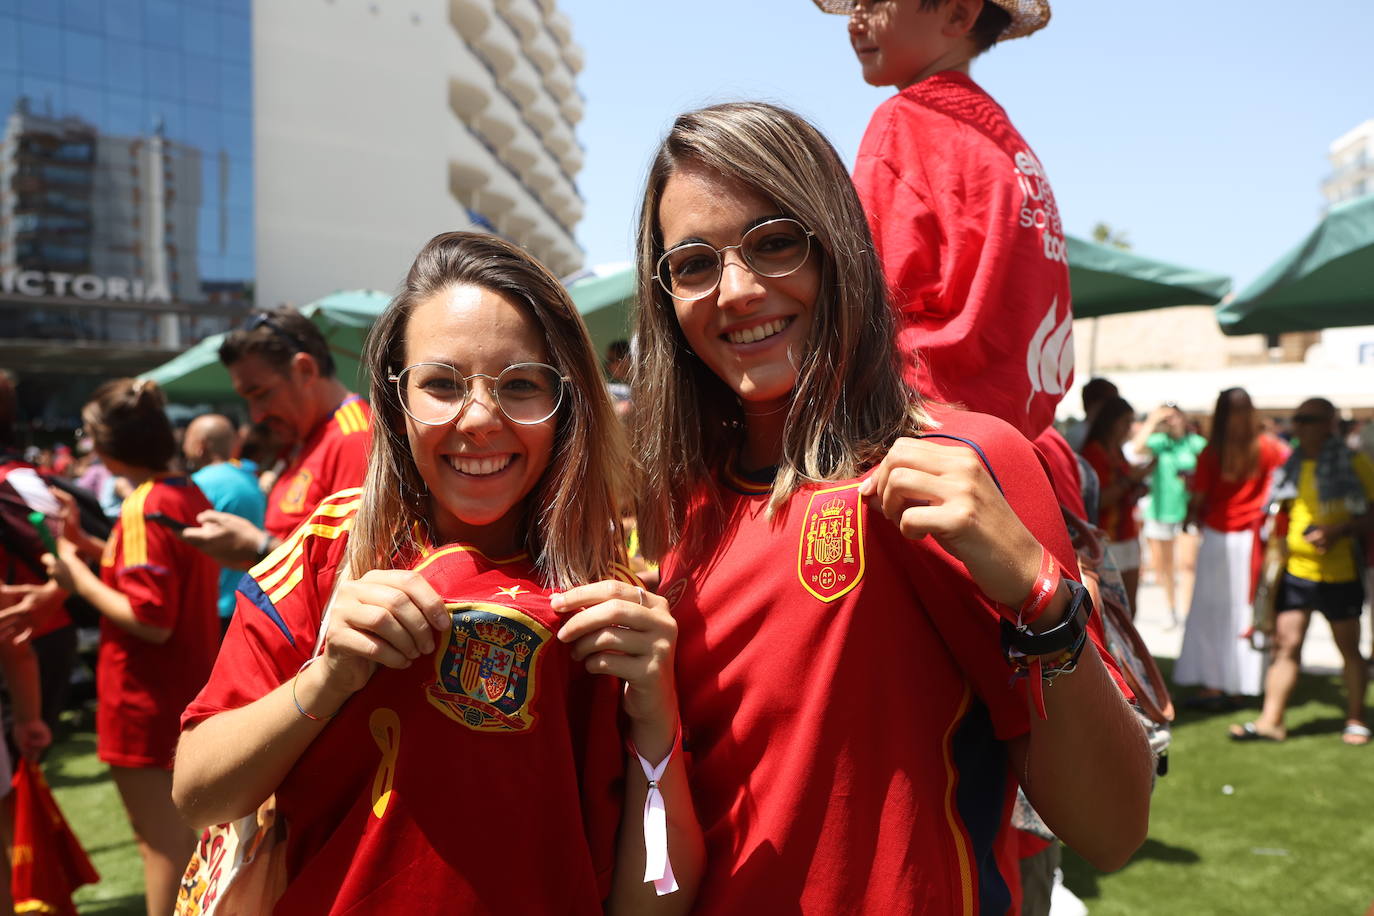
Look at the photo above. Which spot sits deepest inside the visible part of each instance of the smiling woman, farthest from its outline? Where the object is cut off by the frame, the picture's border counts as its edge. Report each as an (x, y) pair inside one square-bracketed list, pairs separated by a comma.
[(488, 507), (857, 577)]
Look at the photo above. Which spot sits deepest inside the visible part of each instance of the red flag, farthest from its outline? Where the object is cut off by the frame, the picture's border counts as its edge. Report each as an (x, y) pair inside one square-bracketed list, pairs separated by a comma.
[(47, 863)]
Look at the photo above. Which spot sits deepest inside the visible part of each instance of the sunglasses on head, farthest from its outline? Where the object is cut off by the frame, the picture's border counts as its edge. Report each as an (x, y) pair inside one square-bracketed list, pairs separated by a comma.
[(264, 320), (1299, 418)]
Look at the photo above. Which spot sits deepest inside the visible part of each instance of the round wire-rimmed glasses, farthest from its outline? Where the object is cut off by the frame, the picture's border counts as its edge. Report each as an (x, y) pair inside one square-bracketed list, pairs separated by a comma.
[(433, 394), (775, 248)]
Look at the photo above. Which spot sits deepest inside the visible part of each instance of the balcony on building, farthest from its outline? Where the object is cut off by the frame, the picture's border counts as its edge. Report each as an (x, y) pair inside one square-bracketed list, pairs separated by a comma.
[(468, 95), (470, 17)]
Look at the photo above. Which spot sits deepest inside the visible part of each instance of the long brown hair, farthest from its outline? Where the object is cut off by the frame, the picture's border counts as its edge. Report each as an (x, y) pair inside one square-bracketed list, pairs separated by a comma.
[(849, 403), (1237, 448), (569, 528)]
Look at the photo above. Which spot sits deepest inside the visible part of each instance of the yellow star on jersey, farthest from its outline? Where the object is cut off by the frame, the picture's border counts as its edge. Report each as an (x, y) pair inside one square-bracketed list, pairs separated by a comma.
[(513, 591)]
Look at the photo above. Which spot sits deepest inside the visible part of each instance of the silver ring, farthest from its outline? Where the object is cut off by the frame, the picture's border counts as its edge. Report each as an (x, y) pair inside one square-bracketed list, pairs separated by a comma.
[(642, 600)]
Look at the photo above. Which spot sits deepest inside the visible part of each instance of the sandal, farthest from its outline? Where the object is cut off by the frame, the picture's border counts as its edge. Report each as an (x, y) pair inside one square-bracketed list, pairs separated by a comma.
[(1249, 732), (1356, 734)]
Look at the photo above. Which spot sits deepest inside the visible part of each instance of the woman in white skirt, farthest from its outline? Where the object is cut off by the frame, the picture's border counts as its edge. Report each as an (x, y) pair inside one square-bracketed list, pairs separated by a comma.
[(1230, 491)]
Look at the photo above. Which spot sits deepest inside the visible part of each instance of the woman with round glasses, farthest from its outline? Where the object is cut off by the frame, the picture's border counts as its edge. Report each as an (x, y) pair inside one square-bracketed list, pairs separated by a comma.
[(412, 673), (841, 564)]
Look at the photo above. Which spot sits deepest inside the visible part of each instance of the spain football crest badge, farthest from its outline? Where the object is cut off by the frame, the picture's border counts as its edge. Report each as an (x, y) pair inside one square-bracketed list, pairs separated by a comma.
[(485, 674), (293, 503), (830, 556)]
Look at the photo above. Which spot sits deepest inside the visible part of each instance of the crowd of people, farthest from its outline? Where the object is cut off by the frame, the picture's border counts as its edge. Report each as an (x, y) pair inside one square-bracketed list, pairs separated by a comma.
[(791, 610)]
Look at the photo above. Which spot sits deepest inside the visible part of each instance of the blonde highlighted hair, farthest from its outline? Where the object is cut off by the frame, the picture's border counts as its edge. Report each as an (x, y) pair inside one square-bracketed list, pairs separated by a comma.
[(850, 401), (569, 527)]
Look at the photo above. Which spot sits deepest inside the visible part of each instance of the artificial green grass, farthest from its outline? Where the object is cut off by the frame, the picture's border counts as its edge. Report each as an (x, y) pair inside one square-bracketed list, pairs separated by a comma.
[(1295, 835), (87, 796)]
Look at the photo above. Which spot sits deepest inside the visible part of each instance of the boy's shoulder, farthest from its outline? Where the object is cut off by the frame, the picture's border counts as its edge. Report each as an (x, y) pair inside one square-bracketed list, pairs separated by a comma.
[(947, 105)]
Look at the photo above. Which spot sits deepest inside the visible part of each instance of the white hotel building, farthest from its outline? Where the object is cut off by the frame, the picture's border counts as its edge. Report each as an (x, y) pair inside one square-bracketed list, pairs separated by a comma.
[(167, 167), (379, 124)]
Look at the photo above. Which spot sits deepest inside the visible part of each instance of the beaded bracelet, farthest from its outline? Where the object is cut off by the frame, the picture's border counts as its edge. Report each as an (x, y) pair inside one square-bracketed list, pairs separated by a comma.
[(299, 708), (1040, 670)]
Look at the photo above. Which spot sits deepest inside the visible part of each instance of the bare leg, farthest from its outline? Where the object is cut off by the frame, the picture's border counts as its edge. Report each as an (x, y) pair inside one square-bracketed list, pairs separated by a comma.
[(1185, 560), (1162, 558), (1347, 636), (1290, 629), (164, 839)]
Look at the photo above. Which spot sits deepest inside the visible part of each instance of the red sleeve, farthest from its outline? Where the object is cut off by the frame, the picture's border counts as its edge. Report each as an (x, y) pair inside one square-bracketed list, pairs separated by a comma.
[(971, 626), (151, 585), (347, 462), (276, 619), (1065, 477), (1274, 452), (1023, 476)]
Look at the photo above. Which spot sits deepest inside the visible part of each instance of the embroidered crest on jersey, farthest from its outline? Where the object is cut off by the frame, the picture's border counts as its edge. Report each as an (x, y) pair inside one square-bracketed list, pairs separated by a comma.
[(485, 673), (293, 502), (830, 556)]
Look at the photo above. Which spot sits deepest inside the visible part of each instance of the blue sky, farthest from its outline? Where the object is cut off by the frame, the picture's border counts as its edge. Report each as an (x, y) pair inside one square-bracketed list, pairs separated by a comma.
[(1198, 127)]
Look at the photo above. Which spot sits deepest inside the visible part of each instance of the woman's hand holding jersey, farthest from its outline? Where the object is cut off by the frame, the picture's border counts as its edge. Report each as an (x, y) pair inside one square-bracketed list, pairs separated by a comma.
[(945, 491), (385, 617), (621, 630)]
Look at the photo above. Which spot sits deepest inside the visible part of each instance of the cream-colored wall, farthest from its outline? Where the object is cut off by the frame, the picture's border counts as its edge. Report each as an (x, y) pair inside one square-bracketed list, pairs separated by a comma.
[(354, 142), (1175, 338)]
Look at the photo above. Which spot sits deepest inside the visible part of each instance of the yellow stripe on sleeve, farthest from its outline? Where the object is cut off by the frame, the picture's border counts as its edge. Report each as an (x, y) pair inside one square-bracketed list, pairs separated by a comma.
[(135, 536)]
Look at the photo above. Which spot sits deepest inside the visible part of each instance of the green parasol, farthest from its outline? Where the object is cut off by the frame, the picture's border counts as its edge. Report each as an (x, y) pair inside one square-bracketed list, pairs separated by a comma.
[(1107, 281), (1327, 281), (197, 375)]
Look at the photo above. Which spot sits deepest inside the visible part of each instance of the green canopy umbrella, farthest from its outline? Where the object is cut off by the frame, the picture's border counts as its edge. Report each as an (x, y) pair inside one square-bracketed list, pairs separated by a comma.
[(604, 301), (197, 376), (1327, 281), (1108, 281)]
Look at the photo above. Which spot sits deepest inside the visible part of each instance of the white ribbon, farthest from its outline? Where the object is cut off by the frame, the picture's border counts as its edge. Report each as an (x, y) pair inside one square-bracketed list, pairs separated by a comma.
[(657, 868)]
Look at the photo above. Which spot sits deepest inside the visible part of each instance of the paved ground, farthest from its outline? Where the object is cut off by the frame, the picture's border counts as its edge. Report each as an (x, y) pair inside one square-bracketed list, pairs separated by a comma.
[(1152, 619)]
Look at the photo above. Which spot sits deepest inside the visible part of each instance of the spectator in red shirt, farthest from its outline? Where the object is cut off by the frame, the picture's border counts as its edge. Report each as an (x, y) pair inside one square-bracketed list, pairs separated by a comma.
[(280, 364), (1121, 487), (159, 629), (1229, 493)]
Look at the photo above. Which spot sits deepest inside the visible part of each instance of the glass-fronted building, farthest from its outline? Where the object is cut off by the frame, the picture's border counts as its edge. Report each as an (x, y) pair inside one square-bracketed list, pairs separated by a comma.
[(126, 187)]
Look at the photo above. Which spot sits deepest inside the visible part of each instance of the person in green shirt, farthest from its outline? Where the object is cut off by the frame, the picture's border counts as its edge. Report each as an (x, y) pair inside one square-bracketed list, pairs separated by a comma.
[(1165, 435)]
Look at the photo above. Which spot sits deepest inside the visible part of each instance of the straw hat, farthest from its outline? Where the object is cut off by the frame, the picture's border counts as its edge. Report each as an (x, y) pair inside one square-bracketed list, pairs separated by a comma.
[(1027, 16)]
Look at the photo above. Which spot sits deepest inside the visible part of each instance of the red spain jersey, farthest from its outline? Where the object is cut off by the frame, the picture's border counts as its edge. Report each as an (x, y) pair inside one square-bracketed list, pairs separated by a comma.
[(485, 778), (973, 248), (846, 700), (332, 458), (142, 687)]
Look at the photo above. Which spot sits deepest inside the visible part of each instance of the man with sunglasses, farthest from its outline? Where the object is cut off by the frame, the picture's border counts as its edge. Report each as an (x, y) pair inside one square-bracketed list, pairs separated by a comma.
[(1326, 489), (279, 362)]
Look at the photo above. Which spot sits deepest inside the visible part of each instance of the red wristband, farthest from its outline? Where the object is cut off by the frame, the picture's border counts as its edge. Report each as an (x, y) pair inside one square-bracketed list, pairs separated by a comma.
[(1046, 584)]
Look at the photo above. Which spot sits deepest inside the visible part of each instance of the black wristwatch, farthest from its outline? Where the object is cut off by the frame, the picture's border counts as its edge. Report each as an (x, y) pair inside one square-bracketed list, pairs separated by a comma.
[(1065, 635)]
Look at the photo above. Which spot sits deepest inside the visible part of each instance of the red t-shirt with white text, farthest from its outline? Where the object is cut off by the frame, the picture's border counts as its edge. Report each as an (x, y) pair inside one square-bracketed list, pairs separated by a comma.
[(973, 247)]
